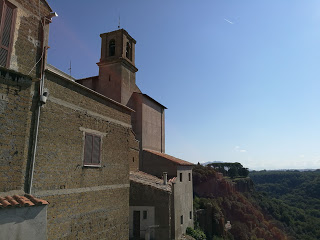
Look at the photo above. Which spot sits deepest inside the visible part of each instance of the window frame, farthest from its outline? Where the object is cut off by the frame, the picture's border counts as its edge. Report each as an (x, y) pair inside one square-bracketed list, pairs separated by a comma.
[(4, 4), (88, 164), (180, 177), (144, 214), (112, 48)]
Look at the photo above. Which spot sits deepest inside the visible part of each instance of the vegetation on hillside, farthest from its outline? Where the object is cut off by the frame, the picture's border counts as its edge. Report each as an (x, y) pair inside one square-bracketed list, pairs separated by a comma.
[(231, 170), (291, 197), (247, 219)]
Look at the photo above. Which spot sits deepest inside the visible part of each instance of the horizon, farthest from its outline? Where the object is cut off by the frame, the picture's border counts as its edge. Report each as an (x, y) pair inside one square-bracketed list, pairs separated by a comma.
[(239, 78)]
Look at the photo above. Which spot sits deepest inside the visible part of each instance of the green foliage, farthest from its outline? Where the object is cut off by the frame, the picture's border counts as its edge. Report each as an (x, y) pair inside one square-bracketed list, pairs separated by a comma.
[(196, 233), (231, 170), (291, 197), (202, 173)]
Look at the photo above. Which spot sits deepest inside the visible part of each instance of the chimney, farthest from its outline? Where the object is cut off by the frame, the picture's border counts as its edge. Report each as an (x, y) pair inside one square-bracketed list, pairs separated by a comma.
[(165, 178)]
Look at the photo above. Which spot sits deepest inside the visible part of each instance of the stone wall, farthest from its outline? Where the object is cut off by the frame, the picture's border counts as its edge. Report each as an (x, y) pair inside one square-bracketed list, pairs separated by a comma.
[(28, 35), (85, 202), (15, 120), (144, 195), (149, 160), (183, 201)]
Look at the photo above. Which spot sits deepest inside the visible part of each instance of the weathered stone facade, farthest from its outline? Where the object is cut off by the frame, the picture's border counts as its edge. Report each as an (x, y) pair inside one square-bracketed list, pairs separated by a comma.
[(86, 202), (15, 120), (147, 191), (30, 35), (16, 91)]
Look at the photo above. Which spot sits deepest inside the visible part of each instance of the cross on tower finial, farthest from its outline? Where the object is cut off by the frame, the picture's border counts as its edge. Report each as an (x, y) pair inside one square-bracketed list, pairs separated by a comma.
[(119, 22)]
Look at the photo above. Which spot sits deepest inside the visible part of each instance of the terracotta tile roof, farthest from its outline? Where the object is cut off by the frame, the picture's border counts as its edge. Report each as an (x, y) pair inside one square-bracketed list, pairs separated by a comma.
[(150, 180), (170, 158), (21, 201), (173, 180)]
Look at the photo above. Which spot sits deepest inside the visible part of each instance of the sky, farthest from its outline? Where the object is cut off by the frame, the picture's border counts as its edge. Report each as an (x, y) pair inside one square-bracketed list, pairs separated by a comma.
[(240, 79)]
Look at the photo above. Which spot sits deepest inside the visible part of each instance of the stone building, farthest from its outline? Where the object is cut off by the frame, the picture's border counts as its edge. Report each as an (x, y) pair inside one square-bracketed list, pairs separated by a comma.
[(60, 140), (180, 174), (117, 80), (151, 203)]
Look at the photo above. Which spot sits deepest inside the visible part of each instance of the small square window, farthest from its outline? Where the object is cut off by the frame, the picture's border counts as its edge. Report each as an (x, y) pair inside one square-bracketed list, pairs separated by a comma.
[(189, 176), (180, 177), (92, 146), (181, 219), (145, 214), (190, 214)]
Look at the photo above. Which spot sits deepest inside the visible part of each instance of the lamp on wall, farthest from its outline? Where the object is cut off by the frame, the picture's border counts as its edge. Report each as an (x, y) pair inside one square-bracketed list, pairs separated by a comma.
[(52, 14)]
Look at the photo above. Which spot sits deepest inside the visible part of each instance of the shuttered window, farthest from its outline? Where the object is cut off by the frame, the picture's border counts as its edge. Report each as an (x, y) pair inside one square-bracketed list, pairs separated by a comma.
[(92, 146), (8, 12)]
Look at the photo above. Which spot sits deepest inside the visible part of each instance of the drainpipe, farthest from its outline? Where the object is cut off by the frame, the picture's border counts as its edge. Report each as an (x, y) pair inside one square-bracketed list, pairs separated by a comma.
[(161, 127), (35, 143), (42, 95)]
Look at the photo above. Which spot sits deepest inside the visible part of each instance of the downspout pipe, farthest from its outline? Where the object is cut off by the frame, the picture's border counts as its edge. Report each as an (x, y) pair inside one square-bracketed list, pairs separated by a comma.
[(45, 20)]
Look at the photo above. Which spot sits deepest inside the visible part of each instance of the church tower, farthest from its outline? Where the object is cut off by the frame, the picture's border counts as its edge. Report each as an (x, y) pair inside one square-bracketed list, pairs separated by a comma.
[(117, 70)]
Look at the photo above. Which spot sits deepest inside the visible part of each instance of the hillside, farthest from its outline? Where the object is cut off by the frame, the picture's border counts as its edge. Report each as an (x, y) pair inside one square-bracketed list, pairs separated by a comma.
[(220, 199), (291, 197)]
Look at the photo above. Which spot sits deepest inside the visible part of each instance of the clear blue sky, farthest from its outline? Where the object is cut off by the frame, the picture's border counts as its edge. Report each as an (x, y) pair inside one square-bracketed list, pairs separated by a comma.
[(240, 78)]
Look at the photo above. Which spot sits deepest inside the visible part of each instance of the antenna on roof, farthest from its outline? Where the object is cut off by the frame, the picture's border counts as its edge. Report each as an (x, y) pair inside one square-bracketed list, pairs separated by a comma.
[(119, 22), (70, 68)]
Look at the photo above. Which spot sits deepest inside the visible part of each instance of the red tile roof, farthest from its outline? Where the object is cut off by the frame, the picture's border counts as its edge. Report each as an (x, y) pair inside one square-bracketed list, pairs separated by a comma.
[(150, 180), (170, 158), (21, 201)]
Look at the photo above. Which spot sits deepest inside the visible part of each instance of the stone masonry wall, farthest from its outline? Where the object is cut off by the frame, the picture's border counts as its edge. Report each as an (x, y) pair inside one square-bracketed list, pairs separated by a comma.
[(85, 202), (28, 35), (15, 113), (144, 195)]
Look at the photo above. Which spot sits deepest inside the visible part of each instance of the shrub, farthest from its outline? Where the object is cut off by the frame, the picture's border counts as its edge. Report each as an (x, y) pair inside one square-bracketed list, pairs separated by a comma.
[(196, 233)]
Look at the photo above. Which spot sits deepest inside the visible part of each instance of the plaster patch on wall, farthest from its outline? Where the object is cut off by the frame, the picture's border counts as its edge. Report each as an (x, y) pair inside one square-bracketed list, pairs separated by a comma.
[(36, 43), (14, 59)]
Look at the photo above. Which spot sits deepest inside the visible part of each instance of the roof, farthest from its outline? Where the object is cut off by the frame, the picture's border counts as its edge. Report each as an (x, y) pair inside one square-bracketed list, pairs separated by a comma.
[(147, 96), (150, 98), (60, 72), (21, 201), (51, 69), (46, 2), (149, 180), (175, 160)]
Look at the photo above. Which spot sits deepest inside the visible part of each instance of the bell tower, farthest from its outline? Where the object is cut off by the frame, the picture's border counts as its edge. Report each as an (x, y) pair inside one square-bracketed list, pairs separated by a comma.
[(117, 70)]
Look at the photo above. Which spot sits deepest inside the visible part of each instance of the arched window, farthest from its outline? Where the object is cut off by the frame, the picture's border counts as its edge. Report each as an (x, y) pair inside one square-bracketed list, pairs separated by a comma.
[(112, 47), (128, 51)]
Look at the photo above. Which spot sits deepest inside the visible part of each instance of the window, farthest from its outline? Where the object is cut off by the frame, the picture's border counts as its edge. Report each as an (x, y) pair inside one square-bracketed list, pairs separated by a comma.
[(128, 51), (181, 219), (190, 214), (8, 13), (189, 176), (180, 177), (112, 47), (92, 147), (145, 214)]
